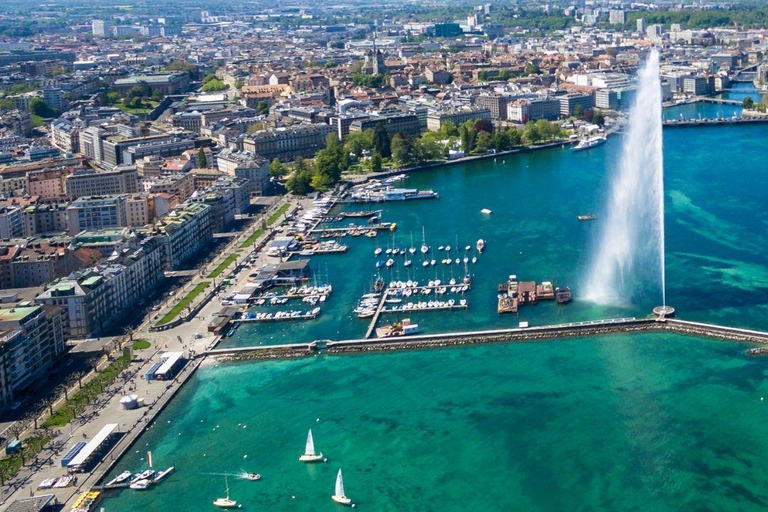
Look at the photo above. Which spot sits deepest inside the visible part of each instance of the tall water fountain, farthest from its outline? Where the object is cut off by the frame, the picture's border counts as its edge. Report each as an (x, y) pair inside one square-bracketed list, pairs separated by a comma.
[(630, 250)]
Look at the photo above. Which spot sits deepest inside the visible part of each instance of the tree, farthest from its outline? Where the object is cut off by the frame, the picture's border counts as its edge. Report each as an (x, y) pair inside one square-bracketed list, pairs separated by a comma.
[(300, 182), (578, 111), (531, 133), (40, 108), (157, 95), (401, 150), (588, 114), (357, 142), (532, 69), (6, 104), (482, 142), (483, 125), (214, 85), (374, 164), (598, 118), (448, 129), (202, 161), (184, 66), (277, 169), (262, 108), (381, 142), (748, 103)]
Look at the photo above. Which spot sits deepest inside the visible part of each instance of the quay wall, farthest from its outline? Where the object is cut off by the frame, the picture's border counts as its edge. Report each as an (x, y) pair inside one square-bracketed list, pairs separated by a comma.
[(544, 333)]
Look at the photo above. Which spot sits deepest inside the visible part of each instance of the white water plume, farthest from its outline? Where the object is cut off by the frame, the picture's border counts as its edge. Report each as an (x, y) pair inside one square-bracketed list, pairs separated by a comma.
[(630, 250)]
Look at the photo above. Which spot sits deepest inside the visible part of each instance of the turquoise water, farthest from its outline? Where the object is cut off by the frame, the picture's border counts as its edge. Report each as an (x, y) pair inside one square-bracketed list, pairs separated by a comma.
[(626, 423), (740, 90), (715, 237), (644, 422)]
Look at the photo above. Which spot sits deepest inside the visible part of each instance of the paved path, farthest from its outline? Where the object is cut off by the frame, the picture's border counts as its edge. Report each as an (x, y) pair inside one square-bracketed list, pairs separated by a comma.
[(107, 408)]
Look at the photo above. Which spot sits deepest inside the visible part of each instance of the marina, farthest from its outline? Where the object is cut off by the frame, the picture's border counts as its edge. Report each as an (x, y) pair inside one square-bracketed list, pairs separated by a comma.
[(522, 245)]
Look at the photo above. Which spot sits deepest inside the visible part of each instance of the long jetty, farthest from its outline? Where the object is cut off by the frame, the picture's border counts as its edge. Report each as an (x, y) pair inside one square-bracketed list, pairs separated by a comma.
[(542, 333), (714, 121)]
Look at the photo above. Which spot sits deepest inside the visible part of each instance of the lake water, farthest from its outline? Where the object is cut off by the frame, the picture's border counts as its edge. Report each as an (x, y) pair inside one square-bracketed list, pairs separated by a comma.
[(646, 422)]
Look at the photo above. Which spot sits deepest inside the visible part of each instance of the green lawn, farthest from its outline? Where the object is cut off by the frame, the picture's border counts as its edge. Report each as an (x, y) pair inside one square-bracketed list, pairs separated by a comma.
[(251, 239), (183, 303), (78, 401), (223, 266), (276, 216), (271, 220), (37, 121), (141, 345), (150, 106)]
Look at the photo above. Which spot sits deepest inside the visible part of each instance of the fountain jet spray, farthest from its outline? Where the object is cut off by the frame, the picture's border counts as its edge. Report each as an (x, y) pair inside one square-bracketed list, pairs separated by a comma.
[(630, 250)]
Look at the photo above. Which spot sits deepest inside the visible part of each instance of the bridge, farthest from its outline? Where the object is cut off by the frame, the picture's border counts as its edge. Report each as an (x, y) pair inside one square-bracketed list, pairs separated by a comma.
[(542, 333)]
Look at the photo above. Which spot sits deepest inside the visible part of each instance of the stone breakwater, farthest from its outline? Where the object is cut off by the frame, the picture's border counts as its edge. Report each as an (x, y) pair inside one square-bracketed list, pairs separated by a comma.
[(533, 334)]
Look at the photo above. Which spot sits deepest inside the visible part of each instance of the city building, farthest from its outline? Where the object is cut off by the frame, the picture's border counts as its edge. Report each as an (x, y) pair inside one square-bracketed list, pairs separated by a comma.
[(246, 166), (436, 118), (95, 213), (407, 124), (87, 182), (31, 340), (183, 233), (288, 142)]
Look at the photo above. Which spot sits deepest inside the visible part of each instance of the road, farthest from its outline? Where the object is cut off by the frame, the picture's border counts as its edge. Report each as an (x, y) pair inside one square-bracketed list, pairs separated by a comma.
[(107, 408)]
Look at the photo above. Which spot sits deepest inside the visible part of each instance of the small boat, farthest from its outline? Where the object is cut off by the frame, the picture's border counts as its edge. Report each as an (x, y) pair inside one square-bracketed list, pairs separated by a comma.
[(122, 477), (480, 245), (432, 262), (252, 476), (225, 502), (486, 211), (338, 495), (424, 246), (425, 263), (457, 261), (589, 216), (590, 142), (377, 251), (163, 474), (140, 485), (407, 263), (309, 451), (390, 262), (474, 259)]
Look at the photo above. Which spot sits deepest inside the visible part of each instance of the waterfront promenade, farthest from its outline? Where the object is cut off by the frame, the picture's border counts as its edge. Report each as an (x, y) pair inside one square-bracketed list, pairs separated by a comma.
[(156, 394)]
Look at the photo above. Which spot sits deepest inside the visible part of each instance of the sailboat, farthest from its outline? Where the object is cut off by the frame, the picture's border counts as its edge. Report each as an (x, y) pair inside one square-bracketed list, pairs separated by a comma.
[(309, 451), (424, 246), (412, 249), (338, 495), (225, 502)]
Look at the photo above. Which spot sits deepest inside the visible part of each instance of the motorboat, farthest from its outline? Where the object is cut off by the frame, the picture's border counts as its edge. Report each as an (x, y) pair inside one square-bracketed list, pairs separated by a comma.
[(140, 485), (252, 476)]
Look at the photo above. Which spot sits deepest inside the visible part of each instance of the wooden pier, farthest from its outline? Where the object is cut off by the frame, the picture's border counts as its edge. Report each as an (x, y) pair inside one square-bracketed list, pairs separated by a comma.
[(383, 226), (376, 315)]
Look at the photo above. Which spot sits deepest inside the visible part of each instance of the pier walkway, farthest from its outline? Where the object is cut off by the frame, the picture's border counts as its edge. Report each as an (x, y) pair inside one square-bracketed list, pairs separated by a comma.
[(376, 315), (542, 333), (714, 122)]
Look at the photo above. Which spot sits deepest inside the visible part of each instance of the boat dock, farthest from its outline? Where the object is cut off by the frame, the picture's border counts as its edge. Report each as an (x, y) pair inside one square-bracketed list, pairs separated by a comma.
[(714, 121), (444, 307), (273, 317), (376, 315), (343, 231)]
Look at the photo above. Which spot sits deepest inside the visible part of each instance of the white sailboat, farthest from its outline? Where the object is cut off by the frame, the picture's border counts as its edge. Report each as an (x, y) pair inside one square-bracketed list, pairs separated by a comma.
[(225, 502), (424, 246), (338, 495), (309, 451)]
